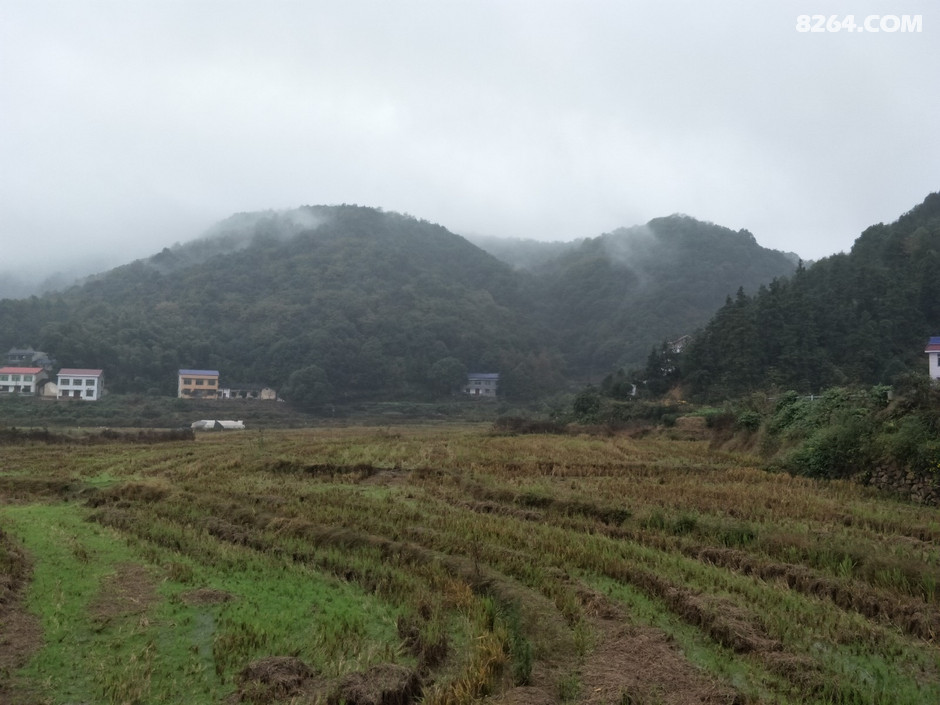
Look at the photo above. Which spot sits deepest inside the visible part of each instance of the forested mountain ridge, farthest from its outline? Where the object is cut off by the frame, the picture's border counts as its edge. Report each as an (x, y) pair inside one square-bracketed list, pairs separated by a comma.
[(635, 287), (860, 317), (364, 303), (345, 302)]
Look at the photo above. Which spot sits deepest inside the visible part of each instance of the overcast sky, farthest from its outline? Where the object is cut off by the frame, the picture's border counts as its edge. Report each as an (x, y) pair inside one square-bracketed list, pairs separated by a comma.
[(128, 125)]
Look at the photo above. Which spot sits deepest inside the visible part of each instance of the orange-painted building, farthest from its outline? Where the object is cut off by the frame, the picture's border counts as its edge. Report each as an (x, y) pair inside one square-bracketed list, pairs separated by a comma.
[(198, 384)]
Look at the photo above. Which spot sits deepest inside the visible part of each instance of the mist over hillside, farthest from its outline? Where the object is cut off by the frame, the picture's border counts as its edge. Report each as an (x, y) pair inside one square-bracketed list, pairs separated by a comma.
[(229, 235), (614, 297), (333, 303), (522, 253), (40, 279)]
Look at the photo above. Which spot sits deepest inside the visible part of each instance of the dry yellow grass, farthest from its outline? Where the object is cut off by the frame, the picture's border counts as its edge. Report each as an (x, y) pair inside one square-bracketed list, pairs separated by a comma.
[(779, 589)]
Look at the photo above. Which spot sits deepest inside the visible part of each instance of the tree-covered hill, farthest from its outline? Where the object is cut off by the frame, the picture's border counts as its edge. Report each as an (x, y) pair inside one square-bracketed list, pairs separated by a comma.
[(354, 302), (339, 303), (615, 296), (858, 317)]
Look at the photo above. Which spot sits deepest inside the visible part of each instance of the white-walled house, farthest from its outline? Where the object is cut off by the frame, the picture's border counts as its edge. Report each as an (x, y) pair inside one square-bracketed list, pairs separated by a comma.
[(247, 391), (21, 380), (74, 383), (933, 357)]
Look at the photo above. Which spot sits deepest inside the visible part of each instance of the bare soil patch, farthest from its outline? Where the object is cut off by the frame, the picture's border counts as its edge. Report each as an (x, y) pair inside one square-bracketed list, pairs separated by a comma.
[(274, 678), (129, 591), (286, 678), (21, 637), (20, 631), (640, 664), (384, 684)]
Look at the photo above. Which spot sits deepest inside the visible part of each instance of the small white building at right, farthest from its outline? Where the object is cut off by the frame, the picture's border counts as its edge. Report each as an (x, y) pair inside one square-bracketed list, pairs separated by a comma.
[(933, 357)]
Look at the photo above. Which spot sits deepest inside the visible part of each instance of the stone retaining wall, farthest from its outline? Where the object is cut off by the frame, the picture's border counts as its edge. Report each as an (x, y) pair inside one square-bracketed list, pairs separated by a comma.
[(922, 487)]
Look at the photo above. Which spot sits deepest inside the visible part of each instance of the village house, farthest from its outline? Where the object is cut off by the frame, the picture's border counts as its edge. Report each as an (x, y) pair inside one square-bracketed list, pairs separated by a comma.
[(933, 357), (679, 344), (482, 384), (75, 383), (21, 380), (198, 384), (27, 357), (247, 391)]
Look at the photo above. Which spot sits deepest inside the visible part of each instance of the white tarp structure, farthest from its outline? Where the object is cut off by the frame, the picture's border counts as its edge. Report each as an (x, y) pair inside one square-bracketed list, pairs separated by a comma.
[(218, 425)]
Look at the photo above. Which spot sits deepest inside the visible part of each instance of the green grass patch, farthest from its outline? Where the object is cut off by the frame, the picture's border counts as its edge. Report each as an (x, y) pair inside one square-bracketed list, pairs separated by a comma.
[(71, 558), (176, 649)]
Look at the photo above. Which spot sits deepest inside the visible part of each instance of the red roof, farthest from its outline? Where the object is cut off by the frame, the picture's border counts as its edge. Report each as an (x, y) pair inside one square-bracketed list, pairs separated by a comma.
[(70, 372), (20, 370)]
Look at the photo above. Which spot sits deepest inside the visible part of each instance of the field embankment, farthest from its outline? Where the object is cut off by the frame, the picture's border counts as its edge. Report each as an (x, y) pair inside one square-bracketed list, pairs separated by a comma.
[(116, 411), (451, 564)]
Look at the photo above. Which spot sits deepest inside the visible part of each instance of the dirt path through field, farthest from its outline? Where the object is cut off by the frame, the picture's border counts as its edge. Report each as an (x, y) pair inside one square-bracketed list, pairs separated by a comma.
[(20, 631), (638, 664), (628, 664)]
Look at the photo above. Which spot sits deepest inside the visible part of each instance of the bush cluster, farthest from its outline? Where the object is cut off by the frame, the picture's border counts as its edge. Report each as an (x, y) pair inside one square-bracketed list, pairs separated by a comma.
[(847, 431), (519, 424), (10, 436)]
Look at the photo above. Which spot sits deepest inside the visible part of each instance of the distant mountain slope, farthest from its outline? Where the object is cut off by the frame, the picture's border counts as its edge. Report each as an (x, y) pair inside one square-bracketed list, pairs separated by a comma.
[(857, 317), (614, 297), (353, 302), (330, 303), (522, 253)]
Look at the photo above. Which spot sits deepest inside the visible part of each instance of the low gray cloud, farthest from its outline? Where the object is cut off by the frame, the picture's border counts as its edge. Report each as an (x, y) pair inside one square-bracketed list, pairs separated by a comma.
[(128, 125)]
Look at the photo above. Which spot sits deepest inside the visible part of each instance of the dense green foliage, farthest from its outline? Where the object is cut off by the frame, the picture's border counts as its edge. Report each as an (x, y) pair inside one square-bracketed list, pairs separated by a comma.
[(362, 305), (337, 304), (861, 317), (849, 432), (614, 297)]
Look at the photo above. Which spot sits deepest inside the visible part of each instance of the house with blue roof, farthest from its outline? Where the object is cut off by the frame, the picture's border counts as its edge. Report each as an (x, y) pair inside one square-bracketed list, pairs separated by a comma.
[(198, 384)]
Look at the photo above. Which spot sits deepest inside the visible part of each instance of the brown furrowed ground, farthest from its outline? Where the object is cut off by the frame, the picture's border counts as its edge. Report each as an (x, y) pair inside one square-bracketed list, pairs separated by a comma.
[(451, 564)]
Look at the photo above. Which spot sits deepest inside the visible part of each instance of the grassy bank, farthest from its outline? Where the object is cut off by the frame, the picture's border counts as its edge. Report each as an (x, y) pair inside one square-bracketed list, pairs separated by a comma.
[(138, 411)]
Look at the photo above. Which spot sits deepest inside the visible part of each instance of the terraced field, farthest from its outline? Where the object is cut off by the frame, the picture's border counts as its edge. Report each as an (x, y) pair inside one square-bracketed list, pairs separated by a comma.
[(447, 564)]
